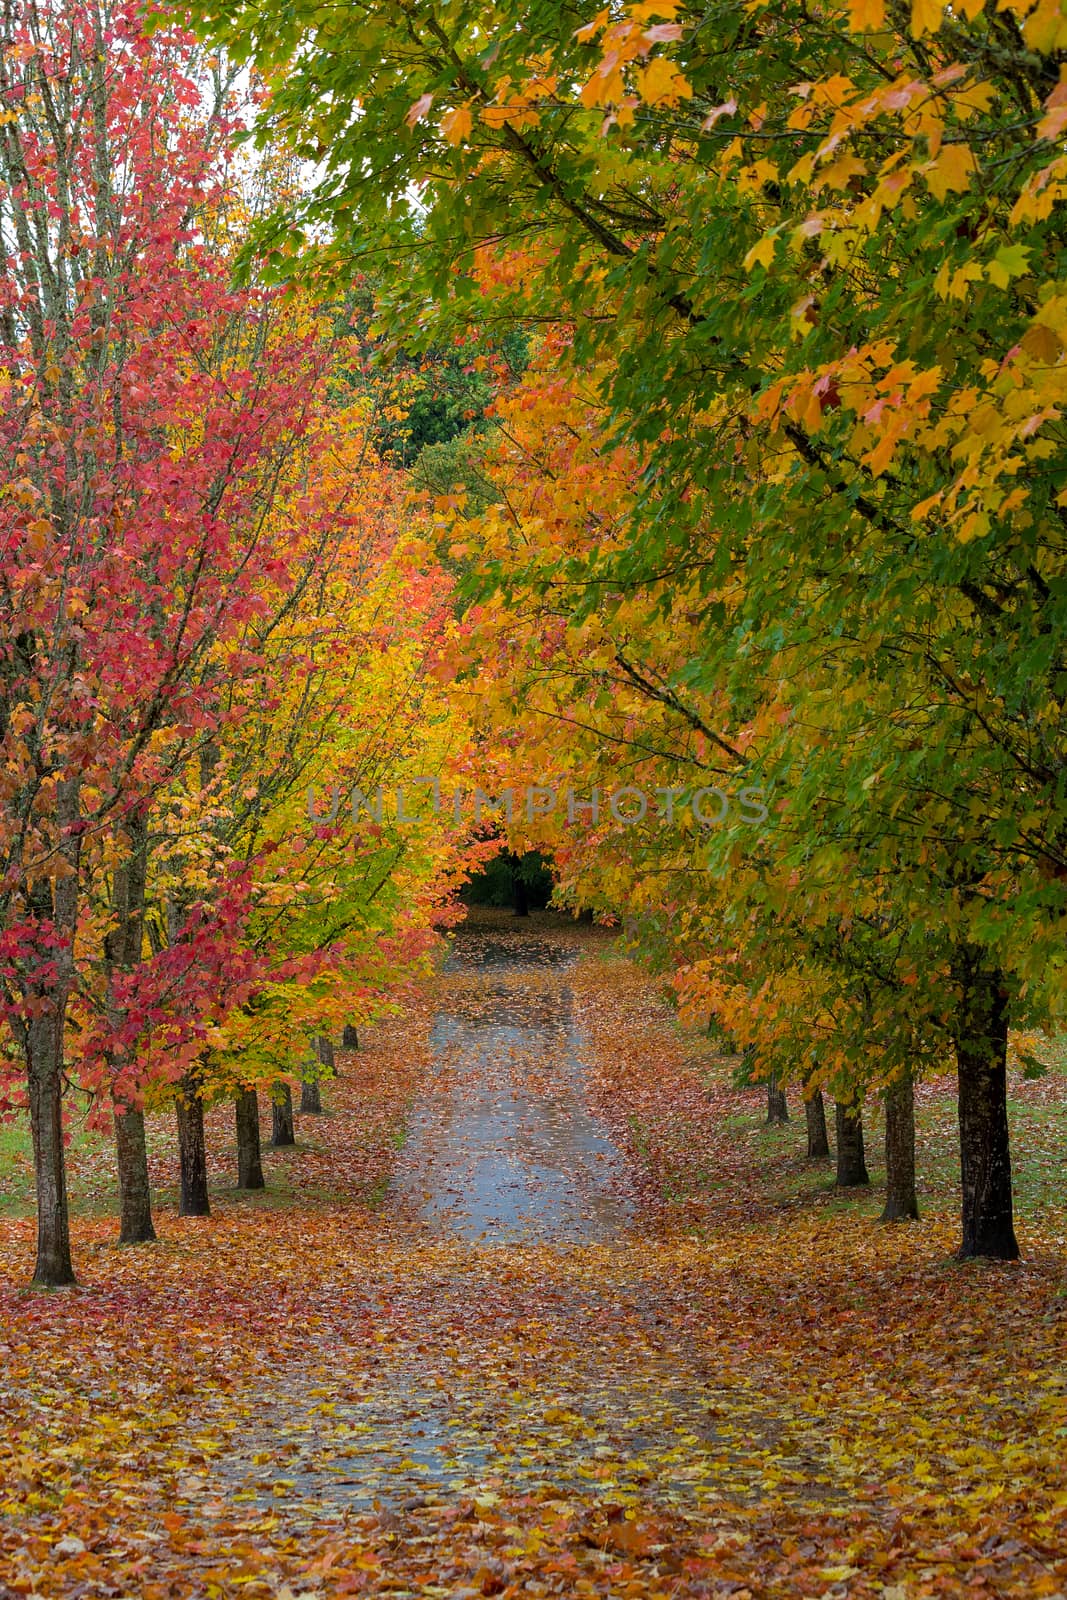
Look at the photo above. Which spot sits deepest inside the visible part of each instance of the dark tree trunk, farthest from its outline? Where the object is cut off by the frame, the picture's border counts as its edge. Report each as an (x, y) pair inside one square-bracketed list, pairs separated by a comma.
[(281, 1112), (815, 1118), (851, 1166), (310, 1097), (53, 906), (350, 1038), (777, 1110), (191, 1149), (520, 896), (981, 1040), (131, 1149), (901, 1201), (54, 1268), (249, 1165), (122, 953), (324, 1051)]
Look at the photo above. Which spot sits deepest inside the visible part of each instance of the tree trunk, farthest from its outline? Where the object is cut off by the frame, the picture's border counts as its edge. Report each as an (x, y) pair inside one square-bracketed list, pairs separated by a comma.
[(281, 1114), (851, 1166), (777, 1110), (53, 905), (981, 1041), (815, 1117), (324, 1051), (249, 1165), (192, 1149), (520, 896), (135, 1226), (901, 1201), (122, 954), (310, 1097), (54, 1268), (350, 1038)]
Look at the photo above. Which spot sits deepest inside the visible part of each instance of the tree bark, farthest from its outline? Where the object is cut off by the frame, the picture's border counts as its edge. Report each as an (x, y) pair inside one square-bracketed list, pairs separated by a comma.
[(520, 897), (981, 1040), (122, 953), (350, 1038), (777, 1110), (901, 1201), (54, 1268), (281, 1113), (131, 1149), (53, 906), (324, 1051), (310, 1096), (192, 1149), (815, 1118), (249, 1164), (851, 1165)]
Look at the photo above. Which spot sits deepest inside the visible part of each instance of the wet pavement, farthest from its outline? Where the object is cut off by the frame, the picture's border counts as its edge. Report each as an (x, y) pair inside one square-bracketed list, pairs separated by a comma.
[(503, 1145)]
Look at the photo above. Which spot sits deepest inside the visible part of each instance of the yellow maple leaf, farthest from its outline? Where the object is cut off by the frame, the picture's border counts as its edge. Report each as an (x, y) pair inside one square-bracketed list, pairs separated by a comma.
[(761, 254), (1045, 29), (951, 171), (838, 174), (585, 34), (603, 88), (661, 83), (866, 16), (456, 124), (655, 8), (1009, 262), (974, 526), (925, 17)]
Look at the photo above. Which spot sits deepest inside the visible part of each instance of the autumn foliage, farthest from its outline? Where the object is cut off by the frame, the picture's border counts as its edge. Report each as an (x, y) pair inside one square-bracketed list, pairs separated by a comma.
[(660, 407)]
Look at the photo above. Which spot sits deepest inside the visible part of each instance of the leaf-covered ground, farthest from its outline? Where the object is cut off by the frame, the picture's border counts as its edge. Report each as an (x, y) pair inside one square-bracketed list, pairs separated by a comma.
[(749, 1387)]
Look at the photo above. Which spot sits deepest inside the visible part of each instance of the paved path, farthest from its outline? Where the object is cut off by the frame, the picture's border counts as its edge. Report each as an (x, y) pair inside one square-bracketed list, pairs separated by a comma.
[(503, 1145)]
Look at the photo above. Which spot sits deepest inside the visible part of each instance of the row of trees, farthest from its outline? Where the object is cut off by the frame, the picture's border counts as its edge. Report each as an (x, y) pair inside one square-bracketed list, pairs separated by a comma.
[(207, 608), (782, 501)]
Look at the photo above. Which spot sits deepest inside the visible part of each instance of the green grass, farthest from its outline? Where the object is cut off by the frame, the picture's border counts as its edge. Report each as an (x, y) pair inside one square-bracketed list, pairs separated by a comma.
[(1038, 1142), (1053, 1053), (16, 1188), (374, 1197), (91, 1185)]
